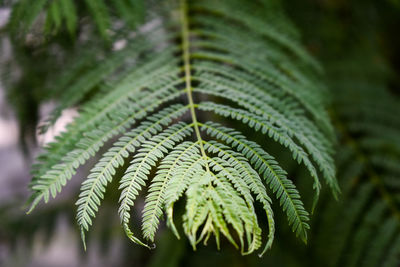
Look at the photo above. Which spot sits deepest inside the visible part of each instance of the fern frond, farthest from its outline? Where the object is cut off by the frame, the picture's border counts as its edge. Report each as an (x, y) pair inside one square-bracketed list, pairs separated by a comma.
[(92, 190), (274, 175), (158, 187), (227, 178), (363, 228), (252, 179), (309, 137), (52, 180), (153, 98), (266, 128), (137, 173), (181, 176)]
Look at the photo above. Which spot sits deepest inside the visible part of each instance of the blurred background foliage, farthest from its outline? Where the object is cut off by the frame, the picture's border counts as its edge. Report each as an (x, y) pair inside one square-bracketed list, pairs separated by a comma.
[(357, 42)]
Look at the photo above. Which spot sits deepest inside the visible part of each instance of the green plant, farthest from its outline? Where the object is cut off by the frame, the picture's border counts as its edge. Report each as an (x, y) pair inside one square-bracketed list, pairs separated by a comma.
[(170, 108), (201, 53)]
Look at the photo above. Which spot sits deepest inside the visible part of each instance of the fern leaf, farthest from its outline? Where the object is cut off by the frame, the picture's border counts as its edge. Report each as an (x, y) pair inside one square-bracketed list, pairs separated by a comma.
[(158, 187), (181, 177), (54, 179), (259, 124), (272, 173), (187, 64), (92, 190), (141, 165), (252, 179)]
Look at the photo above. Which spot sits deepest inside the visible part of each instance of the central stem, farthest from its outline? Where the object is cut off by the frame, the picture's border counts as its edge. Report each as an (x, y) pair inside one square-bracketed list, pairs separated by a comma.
[(188, 79)]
